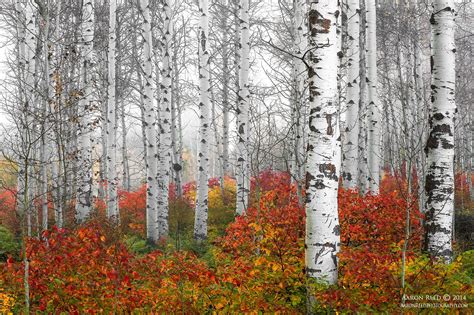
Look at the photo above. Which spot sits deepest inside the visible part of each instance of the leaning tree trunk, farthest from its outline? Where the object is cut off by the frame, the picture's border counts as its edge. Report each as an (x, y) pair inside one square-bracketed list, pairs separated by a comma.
[(84, 157), (200, 222), (351, 132), (322, 176), (439, 180), (165, 126), (111, 126), (243, 169)]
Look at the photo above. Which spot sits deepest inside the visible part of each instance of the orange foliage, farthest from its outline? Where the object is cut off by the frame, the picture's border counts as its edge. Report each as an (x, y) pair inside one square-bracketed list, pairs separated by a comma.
[(257, 266)]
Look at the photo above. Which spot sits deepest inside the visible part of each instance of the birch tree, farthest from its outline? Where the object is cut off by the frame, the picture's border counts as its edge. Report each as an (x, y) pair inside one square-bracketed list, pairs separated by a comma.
[(299, 70), (111, 124), (243, 167), (351, 138), (374, 151), (84, 157), (439, 180), (150, 124), (322, 173), (165, 125), (201, 214)]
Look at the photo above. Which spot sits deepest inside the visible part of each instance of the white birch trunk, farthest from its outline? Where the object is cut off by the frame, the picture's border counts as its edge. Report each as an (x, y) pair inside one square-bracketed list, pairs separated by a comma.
[(164, 166), (22, 96), (362, 151), (111, 126), (46, 121), (299, 71), (30, 104), (150, 124), (374, 152), (225, 96), (439, 181), (84, 158), (176, 141), (322, 223), (201, 214), (351, 132), (243, 168)]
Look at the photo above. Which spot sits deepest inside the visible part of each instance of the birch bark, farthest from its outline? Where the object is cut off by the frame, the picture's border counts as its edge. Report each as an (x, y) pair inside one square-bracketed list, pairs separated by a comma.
[(147, 97), (351, 138), (165, 126), (201, 214), (112, 179), (439, 180), (243, 169), (84, 158), (322, 173), (374, 152)]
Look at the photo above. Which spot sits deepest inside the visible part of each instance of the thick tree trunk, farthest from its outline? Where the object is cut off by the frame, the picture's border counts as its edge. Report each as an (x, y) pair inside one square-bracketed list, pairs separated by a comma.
[(164, 166), (200, 219), (322, 176), (351, 132), (243, 167), (439, 181), (112, 179)]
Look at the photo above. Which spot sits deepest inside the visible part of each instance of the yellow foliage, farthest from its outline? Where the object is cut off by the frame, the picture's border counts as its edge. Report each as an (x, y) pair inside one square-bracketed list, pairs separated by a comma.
[(6, 303)]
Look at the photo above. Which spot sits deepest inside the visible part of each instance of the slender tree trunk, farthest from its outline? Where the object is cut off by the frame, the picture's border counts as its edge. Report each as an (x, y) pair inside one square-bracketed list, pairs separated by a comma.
[(112, 179), (243, 168), (225, 97), (46, 121), (439, 181), (374, 151), (126, 167), (351, 138), (299, 70), (176, 127), (150, 123), (84, 157), (165, 126), (200, 219), (363, 123), (322, 176)]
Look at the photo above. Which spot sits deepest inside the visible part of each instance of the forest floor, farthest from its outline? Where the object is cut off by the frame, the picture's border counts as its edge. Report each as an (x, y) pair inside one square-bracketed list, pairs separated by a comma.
[(250, 264)]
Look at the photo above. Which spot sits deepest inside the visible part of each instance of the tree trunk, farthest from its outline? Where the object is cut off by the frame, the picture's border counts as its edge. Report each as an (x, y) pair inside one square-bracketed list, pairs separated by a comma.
[(243, 169), (374, 152), (112, 179), (200, 219), (322, 176), (439, 180), (176, 141), (84, 156), (362, 150), (351, 132), (165, 126), (150, 122)]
